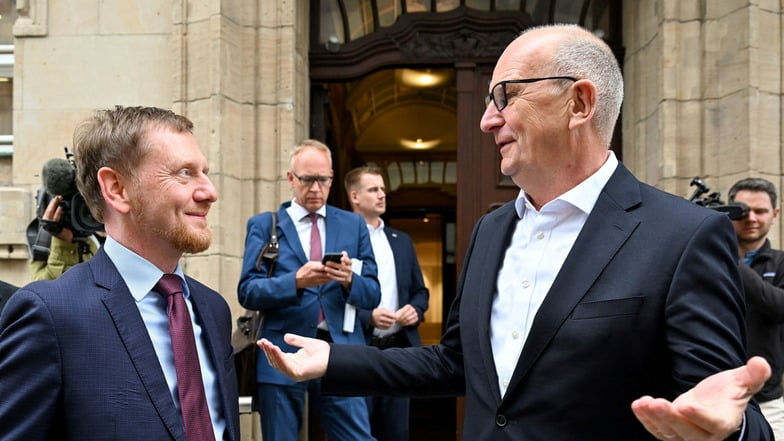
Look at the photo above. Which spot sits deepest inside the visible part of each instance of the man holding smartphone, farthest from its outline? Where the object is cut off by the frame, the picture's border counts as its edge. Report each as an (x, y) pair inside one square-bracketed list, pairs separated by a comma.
[(325, 270)]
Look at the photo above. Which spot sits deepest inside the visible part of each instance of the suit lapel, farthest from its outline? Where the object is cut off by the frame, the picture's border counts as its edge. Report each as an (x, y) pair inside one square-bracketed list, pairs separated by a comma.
[(130, 326), (504, 220), (607, 228), (399, 253), (287, 234), (333, 227)]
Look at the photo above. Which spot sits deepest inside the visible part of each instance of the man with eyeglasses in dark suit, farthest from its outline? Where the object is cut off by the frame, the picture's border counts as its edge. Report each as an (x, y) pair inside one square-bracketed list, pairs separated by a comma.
[(585, 297)]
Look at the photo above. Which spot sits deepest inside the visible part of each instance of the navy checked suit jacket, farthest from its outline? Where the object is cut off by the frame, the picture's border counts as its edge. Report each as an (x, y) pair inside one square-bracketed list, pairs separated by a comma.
[(77, 363)]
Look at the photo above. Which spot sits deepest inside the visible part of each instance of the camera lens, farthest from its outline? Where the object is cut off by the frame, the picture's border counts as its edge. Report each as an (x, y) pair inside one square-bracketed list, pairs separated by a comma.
[(81, 218)]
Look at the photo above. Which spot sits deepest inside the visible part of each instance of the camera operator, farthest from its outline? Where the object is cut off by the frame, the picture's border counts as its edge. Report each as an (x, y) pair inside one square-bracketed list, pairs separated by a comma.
[(65, 251), (762, 273), (64, 231)]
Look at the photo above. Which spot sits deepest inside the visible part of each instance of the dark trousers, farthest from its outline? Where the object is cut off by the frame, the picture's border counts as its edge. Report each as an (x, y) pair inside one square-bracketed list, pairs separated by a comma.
[(389, 416)]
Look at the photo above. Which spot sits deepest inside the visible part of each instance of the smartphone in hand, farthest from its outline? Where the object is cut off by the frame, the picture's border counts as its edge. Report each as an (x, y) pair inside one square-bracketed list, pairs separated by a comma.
[(331, 257)]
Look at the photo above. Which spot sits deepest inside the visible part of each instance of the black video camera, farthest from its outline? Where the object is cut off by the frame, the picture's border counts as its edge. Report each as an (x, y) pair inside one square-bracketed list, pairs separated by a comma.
[(735, 210), (58, 177)]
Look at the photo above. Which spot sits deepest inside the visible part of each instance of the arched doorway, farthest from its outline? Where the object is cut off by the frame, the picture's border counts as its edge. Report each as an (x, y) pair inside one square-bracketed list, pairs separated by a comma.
[(364, 105)]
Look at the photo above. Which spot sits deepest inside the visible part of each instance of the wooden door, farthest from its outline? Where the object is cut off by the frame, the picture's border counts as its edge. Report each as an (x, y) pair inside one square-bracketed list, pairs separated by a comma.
[(480, 184)]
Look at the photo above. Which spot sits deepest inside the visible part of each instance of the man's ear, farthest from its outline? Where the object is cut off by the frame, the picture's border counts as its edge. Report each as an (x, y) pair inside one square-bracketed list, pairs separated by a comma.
[(583, 104), (113, 189)]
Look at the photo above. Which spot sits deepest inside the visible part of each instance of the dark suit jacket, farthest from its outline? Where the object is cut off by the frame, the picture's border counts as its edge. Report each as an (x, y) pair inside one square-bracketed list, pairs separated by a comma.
[(647, 303), (288, 309), (6, 289), (411, 287), (77, 363)]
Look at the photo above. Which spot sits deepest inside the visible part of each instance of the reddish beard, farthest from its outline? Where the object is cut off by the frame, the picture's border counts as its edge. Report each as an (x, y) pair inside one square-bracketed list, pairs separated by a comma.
[(179, 237)]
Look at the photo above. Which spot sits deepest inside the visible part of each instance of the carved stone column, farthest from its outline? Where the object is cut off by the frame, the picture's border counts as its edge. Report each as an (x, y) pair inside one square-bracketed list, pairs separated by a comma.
[(703, 88), (241, 76)]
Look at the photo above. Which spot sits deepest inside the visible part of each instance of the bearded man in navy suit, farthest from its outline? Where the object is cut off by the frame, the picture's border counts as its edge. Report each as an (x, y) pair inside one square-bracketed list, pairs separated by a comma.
[(585, 297), (90, 356)]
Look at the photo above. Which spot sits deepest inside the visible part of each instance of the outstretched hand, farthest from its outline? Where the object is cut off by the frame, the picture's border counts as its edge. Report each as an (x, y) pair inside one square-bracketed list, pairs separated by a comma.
[(711, 410), (307, 363)]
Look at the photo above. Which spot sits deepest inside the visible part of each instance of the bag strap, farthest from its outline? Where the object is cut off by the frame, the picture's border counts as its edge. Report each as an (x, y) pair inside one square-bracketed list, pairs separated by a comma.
[(271, 245), (38, 241), (274, 230)]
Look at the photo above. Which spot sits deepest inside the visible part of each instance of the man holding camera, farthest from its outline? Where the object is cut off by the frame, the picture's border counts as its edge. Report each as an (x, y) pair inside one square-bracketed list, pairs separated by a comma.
[(65, 250), (64, 231), (762, 273), (309, 295)]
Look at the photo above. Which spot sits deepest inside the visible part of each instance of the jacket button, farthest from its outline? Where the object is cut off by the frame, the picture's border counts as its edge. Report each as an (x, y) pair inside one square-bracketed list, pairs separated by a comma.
[(500, 420)]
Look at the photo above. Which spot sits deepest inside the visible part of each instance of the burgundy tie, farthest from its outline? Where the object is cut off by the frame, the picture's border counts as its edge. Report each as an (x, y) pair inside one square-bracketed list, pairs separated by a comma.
[(193, 403), (315, 237), (315, 250)]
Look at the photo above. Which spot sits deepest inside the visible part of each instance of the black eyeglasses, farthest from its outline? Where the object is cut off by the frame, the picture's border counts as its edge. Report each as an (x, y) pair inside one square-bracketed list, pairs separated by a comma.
[(324, 181), (498, 94)]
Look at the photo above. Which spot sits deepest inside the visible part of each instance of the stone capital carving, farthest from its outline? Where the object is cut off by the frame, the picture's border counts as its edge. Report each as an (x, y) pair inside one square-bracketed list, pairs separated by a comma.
[(457, 44), (32, 18)]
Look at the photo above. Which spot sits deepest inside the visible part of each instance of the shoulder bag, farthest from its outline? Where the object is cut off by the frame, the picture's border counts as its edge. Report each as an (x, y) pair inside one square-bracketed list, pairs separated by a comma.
[(244, 337)]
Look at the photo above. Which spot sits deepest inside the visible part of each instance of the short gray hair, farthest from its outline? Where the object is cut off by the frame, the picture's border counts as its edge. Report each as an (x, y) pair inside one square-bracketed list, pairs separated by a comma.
[(314, 144), (583, 55)]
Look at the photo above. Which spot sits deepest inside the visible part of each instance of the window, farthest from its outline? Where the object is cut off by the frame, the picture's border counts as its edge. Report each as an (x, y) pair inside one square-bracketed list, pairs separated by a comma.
[(7, 18), (343, 21)]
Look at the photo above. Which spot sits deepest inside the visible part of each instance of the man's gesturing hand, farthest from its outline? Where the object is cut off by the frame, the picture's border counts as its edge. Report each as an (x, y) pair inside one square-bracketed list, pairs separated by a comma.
[(307, 363), (711, 410)]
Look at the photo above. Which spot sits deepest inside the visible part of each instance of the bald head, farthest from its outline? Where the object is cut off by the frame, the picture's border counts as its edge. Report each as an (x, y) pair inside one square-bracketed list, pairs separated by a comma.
[(569, 50), (556, 93)]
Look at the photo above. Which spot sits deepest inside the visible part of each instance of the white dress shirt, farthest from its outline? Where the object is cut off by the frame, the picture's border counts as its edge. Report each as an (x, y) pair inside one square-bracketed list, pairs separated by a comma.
[(540, 243), (387, 275)]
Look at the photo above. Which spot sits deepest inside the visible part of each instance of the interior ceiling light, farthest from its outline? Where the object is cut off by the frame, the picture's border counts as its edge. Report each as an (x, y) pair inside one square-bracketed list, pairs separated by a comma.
[(419, 144), (421, 78)]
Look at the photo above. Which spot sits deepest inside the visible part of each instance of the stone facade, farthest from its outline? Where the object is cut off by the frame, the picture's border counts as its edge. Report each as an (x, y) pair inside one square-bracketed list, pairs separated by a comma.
[(237, 69), (703, 93)]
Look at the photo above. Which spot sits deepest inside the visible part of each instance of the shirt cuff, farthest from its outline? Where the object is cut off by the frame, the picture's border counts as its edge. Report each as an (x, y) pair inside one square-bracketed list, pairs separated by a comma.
[(742, 427)]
